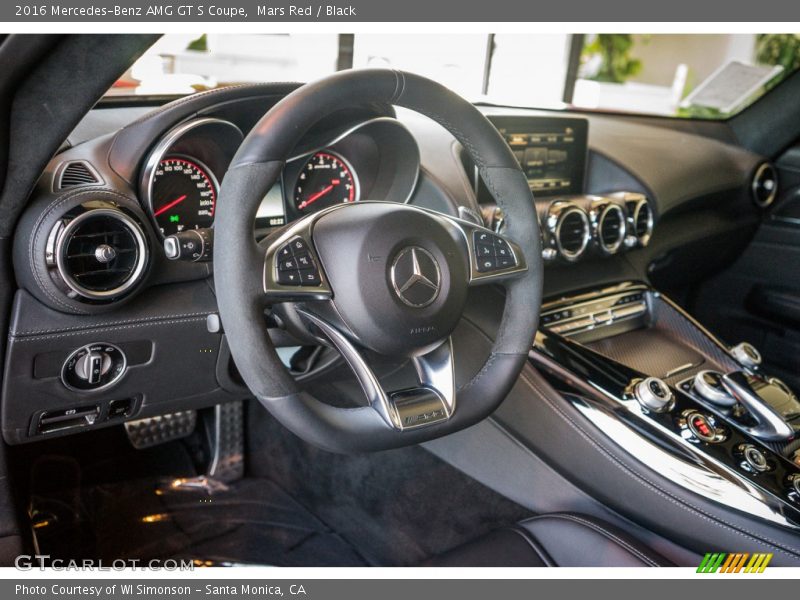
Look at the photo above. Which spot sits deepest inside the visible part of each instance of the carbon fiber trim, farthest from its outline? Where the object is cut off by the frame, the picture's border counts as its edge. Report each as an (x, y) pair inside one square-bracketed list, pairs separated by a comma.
[(672, 347)]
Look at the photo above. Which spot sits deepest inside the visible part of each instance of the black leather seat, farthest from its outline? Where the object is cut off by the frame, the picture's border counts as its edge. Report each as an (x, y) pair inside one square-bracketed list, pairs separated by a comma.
[(561, 539)]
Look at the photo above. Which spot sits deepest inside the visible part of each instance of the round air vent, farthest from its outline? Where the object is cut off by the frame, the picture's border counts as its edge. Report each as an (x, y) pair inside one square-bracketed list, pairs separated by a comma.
[(765, 185), (100, 254), (642, 221), (569, 228), (610, 227)]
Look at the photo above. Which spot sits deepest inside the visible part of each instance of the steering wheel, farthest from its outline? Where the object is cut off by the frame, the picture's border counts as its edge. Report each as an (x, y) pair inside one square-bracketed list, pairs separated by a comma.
[(386, 277)]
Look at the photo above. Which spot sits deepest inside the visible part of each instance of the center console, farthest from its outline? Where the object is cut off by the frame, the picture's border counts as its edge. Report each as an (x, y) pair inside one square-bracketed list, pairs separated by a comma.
[(693, 409)]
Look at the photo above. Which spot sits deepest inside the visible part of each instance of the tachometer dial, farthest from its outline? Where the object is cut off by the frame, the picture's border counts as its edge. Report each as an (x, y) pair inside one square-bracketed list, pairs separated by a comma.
[(325, 180), (184, 195)]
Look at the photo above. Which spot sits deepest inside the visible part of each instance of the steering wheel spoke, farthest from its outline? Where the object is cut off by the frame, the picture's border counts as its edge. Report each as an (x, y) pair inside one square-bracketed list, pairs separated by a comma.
[(430, 402), (292, 268), (492, 257)]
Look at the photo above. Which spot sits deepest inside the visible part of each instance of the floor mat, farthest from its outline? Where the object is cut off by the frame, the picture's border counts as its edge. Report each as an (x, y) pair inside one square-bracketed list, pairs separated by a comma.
[(252, 521), (298, 505), (398, 507)]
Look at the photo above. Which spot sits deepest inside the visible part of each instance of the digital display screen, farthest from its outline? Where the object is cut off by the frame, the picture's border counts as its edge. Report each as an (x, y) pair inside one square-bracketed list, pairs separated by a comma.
[(551, 151), (271, 213)]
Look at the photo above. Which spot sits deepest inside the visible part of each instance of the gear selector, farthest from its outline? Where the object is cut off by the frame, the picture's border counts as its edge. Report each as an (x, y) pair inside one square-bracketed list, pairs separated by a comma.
[(772, 405)]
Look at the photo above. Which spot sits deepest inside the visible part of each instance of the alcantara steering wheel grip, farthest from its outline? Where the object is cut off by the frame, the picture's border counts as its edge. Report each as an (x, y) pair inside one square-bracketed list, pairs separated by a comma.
[(382, 276)]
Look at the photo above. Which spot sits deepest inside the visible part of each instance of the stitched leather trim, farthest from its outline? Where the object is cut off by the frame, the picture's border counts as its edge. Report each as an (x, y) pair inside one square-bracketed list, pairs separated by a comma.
[(596, 527)]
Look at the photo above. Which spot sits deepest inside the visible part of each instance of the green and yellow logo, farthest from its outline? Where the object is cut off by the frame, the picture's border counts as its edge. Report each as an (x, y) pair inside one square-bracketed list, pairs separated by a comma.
[(741, 562)]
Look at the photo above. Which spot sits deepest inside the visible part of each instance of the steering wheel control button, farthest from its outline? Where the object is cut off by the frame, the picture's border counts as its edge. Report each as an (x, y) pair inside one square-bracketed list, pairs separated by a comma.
[(708, 384), (653, 394), (416, 277), (753, 459), (93, 367), (310, 277), (298, 246), (296, 266), (746, 355), (492, 253), (288, 264), (289, 277), (304, 262)]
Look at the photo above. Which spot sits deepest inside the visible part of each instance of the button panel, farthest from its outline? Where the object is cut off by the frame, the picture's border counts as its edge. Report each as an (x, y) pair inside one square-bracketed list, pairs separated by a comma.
[(595, 313), (492, 253), (295, 264), (709, 429)]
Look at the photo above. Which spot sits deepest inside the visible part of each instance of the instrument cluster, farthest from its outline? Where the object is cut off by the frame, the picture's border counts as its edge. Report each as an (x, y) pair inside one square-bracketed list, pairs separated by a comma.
[(376, 159)]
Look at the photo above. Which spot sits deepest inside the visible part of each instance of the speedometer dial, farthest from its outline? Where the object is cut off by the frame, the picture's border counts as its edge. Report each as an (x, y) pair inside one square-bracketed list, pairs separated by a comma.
[(325, 180), (184, 195)]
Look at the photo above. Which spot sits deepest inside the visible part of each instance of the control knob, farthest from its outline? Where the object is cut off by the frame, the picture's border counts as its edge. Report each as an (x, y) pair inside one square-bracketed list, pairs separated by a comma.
[(746, 355), (794, 482), (195, 245), (708, 384), (93, 367), (754, 459), (653, 394)]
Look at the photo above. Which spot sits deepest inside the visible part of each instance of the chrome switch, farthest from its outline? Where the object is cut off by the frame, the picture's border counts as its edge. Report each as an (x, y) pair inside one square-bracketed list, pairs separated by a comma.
[(746, 355), (708, 384), (653, 394)]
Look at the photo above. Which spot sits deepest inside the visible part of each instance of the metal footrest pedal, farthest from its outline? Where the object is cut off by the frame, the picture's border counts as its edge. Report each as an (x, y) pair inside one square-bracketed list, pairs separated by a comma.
[(152, 431), (226, 440)]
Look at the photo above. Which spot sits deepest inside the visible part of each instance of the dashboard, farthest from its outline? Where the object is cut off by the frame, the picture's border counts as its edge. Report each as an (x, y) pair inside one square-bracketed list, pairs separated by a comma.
[(107, 328)]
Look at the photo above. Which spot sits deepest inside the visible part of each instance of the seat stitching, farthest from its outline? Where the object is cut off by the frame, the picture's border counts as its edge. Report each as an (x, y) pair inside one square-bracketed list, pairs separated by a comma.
[(604, 532)]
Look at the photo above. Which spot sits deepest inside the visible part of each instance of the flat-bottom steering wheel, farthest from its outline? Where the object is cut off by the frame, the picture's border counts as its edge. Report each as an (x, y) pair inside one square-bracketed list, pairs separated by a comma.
[(386, 277)]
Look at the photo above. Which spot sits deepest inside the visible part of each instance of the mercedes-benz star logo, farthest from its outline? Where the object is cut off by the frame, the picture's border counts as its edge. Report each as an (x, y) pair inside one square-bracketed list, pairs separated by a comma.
[(416, 278)]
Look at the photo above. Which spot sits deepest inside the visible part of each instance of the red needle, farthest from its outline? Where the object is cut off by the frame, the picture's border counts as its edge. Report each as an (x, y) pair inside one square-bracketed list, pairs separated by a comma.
[(166, 207), (315, 197)]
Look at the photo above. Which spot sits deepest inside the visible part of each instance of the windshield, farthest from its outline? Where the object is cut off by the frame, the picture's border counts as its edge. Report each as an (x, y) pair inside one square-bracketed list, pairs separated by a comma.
[(690, 76)]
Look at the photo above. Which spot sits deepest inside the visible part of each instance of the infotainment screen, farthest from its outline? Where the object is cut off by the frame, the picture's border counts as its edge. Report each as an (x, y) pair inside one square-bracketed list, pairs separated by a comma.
[(551, 151)]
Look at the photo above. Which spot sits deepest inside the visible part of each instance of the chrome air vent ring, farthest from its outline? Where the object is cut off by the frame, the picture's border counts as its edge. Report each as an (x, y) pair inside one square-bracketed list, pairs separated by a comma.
[(100, 255), (610, 228), (765, 185), (571, 232), (641, 222)]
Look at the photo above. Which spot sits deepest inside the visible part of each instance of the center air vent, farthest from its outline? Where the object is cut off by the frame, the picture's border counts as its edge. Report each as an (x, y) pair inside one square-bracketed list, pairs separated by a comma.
[(100, 254), (76, 173), (570, 229), (610, 224), (642, 221), (765, 185)]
